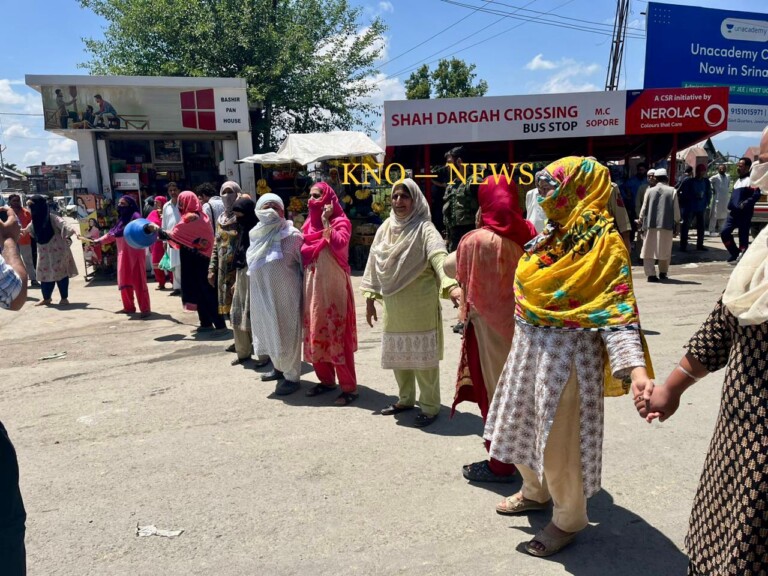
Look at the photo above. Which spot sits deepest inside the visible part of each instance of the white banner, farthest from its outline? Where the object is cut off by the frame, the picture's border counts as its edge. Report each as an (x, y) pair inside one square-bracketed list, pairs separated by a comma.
[(494, 118), (747, 117)]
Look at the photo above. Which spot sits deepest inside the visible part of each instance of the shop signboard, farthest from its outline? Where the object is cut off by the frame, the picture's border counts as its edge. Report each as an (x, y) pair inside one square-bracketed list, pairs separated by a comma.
[(499, 118), (144, 108), (689, 46), (669, 110)]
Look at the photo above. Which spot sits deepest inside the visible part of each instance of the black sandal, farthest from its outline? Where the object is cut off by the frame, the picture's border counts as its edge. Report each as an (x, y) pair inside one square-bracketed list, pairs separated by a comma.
[(346, 398), (260, 363), (422, 420), (238, 361), (481, 472), (318, 389), (393, 409)]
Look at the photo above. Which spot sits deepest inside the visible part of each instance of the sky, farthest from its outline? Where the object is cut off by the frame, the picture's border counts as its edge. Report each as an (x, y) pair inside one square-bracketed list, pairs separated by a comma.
[(513, 56)]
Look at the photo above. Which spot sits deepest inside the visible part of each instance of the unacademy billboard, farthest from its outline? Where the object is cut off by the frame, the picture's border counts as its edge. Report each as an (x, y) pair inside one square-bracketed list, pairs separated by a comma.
[(688, 46)]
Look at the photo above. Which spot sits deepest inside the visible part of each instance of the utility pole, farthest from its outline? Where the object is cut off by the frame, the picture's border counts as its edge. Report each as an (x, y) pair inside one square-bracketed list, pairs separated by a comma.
[(617, 45)]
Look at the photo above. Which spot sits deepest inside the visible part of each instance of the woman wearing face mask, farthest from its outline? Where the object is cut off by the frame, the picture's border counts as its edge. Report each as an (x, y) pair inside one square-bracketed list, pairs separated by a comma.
[(330, 329), (405, 272), (244, 210), (577, 338), (274, 268), (221, 273), (131, 262), (55, 263)]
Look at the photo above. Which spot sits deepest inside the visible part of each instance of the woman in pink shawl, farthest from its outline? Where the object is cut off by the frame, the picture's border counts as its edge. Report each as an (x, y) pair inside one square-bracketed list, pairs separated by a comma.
[(131, 262), (158, 248), (330, 329), (486, 260), (193, 238)]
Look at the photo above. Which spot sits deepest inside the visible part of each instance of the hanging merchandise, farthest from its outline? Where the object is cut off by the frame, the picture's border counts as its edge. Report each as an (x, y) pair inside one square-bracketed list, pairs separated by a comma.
[(262, 187)]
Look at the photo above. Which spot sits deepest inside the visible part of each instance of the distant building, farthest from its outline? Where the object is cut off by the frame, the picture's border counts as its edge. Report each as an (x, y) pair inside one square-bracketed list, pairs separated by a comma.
[(54, 179)]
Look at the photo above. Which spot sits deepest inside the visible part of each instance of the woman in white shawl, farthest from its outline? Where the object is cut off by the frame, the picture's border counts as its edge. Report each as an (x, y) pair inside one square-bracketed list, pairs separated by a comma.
[(275, 271), (728, 528), (405, 272)]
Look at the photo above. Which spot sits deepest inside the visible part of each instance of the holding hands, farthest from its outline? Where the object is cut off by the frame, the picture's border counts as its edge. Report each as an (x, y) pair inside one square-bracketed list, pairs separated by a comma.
[(663, 401)]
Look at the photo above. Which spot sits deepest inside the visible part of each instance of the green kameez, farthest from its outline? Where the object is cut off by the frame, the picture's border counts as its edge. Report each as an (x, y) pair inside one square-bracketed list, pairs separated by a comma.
[(412, 339)]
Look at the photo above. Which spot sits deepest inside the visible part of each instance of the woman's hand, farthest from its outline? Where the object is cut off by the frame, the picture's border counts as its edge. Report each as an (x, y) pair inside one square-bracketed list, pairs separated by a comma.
[(212, 278), (663, 404), (326, 215), (370, 312), (642, 388), (151, 227), (456, 296)]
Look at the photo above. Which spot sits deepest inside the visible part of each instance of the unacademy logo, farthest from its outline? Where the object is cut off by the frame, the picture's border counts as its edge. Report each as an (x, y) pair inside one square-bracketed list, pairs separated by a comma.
[(750, 30)]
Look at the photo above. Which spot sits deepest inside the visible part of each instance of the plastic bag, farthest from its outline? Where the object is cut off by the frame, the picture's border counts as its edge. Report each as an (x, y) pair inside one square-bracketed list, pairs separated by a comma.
[(165, 262)]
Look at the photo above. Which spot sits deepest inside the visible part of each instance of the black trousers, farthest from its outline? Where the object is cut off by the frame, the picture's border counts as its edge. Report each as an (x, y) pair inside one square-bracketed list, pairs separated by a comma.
[(686, 225), (13, 555), (195, 288), (742, 222)]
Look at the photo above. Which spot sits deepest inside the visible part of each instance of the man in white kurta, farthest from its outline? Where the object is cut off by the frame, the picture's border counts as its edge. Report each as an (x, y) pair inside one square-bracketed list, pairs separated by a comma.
[(171, 217), (659, 215), (718, 210), (275, 272)]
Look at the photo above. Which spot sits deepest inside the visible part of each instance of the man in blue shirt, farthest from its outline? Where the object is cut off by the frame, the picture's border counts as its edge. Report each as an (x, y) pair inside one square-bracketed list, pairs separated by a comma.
[(694, 197), (741, 208)]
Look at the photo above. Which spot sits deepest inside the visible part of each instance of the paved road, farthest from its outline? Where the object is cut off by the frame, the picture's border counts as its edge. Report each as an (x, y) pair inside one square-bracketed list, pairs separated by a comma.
[(141, 423)]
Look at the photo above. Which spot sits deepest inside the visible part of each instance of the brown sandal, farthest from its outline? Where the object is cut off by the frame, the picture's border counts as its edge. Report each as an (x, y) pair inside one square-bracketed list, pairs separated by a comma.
[(552, 544), (517, 504)]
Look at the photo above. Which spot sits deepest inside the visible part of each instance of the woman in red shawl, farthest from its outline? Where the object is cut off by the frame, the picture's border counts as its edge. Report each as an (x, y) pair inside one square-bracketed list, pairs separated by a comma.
[(193, 237), (158, 248), (486, 260), (330, 329), (131, 262)]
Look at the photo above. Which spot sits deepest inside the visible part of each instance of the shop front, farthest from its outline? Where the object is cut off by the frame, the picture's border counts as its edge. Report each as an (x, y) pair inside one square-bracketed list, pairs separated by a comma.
[(619, 126), (137, 134)]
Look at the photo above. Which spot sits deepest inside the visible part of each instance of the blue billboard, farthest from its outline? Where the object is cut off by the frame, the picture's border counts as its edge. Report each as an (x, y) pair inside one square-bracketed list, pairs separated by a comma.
[(687, 46)]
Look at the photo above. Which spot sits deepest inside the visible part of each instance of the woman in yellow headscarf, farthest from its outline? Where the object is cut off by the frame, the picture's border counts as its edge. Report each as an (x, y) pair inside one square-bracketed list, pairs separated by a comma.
[(575, 315)]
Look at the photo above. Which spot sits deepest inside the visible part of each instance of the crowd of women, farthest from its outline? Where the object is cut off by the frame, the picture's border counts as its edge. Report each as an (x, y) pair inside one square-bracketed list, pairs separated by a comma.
[(552, 326)]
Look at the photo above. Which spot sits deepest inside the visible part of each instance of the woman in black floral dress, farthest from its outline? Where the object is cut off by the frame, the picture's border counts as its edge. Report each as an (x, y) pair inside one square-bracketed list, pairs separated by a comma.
[(728, 532)]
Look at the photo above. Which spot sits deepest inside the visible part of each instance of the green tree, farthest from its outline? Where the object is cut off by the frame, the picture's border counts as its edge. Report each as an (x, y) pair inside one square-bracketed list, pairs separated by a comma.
[(452, 78), (308, 63), (418, 86)]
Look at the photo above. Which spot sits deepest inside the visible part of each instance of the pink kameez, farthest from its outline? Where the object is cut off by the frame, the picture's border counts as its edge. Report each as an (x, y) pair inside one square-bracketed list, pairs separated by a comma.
[(131, 274), (330, 327)]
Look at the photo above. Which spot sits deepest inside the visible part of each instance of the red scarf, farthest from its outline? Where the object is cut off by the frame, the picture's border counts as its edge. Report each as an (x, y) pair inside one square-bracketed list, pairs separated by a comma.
[(500, 210), (194, 229), (314, 239)]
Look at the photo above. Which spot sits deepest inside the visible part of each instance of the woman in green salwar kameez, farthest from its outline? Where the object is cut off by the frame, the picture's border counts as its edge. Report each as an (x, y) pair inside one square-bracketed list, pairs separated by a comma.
[(405, 272)]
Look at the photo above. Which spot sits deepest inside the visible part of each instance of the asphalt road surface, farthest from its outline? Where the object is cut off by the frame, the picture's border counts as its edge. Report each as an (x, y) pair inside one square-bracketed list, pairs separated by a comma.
[(140, 423)]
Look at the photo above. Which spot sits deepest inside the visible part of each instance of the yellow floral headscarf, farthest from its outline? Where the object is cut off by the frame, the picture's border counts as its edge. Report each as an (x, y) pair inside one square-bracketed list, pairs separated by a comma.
[(576, 275)]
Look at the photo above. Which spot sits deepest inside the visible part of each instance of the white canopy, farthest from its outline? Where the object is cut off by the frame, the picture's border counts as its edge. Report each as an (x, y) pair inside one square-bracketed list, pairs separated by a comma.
[(307, 148)]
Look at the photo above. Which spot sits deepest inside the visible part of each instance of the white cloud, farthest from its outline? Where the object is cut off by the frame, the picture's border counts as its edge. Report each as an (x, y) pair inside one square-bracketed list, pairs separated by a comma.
[(380, 8), (538, 63), (21, 129), (17, 130), (568, 75)]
